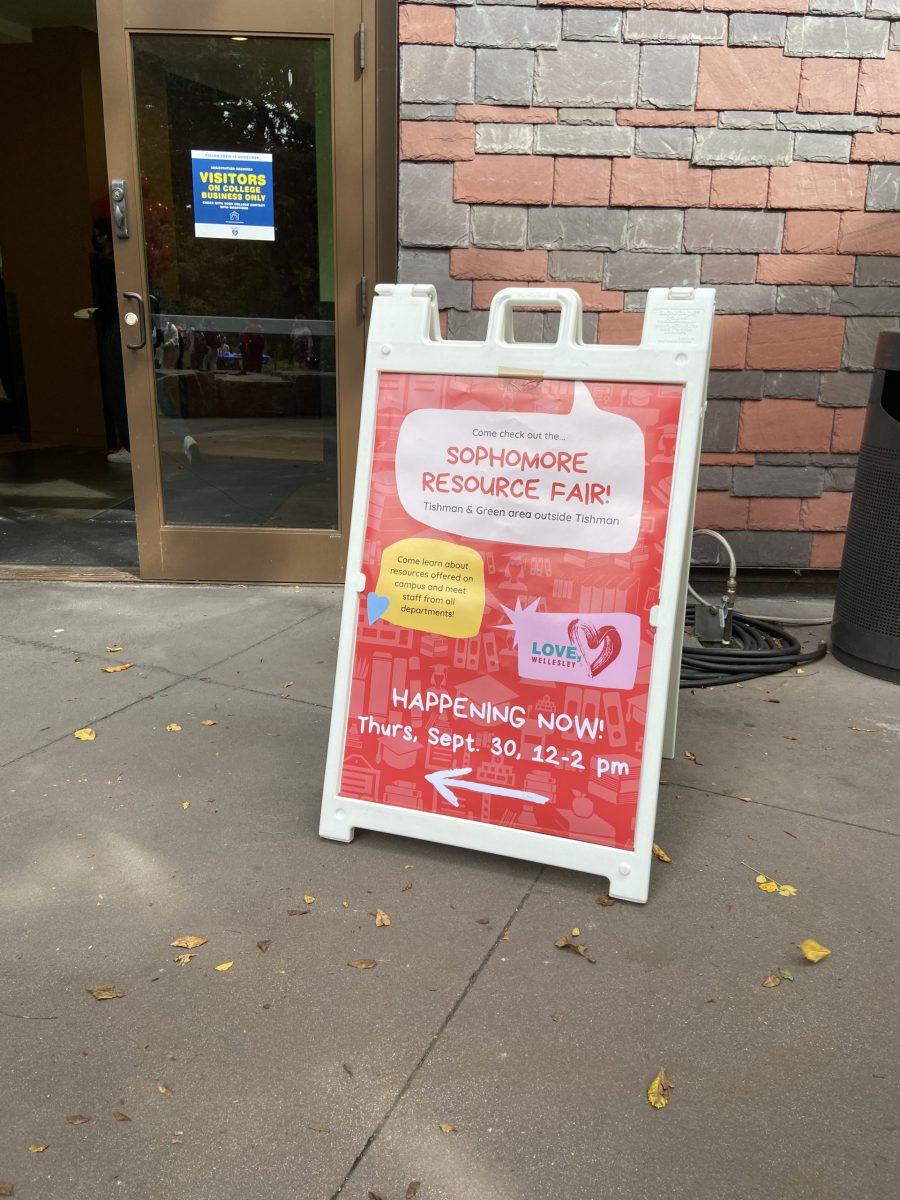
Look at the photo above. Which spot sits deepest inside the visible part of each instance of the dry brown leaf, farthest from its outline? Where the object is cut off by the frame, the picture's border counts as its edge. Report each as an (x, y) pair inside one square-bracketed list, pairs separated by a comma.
[(264, 945), (120, 1116), (117, 668), (564, 943), (381, 918), (173, 727), (407, 887), (812, 951), (363, 964), (225, 966), (447, 1128), (163, 1089), (178, 1137), (659, 853), (504, 936), (106, 993), (772, 980), (605, 900), (289, 683), (483, 921), (345, 904), (746, 799), (373, 1196), (412, 1189), (320, 1128), (38, 1147), (85, 735), (348, 1069), (660, 1089), (189, 941), (183, 959), (299, 912), (690, 756), (6, 1188), (77, 1119), (207, 723)]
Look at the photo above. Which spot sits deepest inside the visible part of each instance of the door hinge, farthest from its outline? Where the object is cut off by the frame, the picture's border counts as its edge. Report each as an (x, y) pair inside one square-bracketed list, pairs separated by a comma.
[(364, 297), (361, 44)]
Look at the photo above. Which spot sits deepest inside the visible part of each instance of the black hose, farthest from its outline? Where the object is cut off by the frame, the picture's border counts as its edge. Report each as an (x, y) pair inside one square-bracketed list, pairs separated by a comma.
[(757, 648)]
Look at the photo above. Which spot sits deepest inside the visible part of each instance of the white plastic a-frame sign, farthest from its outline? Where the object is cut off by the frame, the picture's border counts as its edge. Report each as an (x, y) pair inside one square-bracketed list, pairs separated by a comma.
[(511, 633)]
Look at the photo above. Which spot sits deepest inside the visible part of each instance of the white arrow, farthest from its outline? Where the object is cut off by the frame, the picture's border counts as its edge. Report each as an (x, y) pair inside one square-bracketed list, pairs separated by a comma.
[(444, 782)]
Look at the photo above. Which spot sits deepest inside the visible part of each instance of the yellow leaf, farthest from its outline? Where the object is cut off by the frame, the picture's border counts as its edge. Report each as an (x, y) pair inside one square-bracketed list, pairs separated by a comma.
[(173, 727), (162, 1088), (309, 899), (77, 1119), (345, 904), (447, 1128), (207, 723), (106, 993), (812, 951), (381, 918), (660, 1089), (363, 964), (85, 735), (185, 804), (183, 959), (39, 1147), (118, 667), (769, 886), (762, 879), (188, 941), (113, 649), (659, 853), (785, 889), (690, 756), (225, 966)]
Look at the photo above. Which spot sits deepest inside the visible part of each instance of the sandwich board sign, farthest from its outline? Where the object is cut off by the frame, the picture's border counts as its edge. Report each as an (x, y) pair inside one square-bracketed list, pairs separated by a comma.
[(512, 621)]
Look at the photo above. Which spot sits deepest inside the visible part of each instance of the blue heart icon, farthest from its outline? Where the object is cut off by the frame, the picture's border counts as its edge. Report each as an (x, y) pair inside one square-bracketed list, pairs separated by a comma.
[(376, 606)]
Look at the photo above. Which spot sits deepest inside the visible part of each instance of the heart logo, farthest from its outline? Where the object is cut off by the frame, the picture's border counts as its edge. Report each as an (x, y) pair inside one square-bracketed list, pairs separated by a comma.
[(598, 647), (234, 233), (376, 606)]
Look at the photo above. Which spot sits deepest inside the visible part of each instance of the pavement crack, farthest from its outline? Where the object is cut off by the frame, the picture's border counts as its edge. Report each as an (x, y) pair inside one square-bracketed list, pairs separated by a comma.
[(436, 1037)]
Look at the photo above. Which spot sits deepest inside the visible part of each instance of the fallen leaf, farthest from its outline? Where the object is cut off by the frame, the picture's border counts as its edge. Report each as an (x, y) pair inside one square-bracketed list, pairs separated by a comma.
[(6, 1189), (381, 918), (412, 1189), (659, 853), (484, 921), (785, 889), (118, 667), (564, 943), (363, 964), (177, 1137), (114, 649), (173, 727), (373, 1196), (320, 1128), (163, 1089), (576, 932), (207, 723), (407, 887), (346, 903), (605, 900), (746, 799), (120, 1116), (183, 959), (264, 945), (812, 951), (446, 1128), (772, 980), (299, 912), (106, 993), (660, 1089), (188, 941), (504, 936), (785, 974), (185, 804), (348, 1069), (85, 735), (290, 683), (77, 1119), (39, 1147), (691, 757), (225, 966), (309, 899), (408, 866), (768, 885)]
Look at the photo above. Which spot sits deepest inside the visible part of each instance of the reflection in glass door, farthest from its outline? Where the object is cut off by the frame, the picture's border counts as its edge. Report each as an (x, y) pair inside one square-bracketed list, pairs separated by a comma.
[(234, 146)]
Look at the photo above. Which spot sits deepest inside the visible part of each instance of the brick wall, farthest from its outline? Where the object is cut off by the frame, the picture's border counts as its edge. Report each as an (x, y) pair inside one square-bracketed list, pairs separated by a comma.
[(748, 144)]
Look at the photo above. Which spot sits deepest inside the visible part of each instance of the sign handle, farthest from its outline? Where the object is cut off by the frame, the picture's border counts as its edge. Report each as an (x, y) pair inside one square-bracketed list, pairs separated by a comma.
[(500, 318)]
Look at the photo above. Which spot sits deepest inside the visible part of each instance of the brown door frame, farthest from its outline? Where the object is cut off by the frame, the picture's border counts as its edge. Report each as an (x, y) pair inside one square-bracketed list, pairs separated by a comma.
[(248, 554)]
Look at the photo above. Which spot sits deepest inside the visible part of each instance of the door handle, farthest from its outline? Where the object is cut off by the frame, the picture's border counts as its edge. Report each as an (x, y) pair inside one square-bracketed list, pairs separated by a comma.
[(140, 320)]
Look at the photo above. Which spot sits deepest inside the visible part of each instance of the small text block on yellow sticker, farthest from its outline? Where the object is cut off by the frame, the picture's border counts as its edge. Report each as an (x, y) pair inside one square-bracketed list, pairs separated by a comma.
[(434, 586)]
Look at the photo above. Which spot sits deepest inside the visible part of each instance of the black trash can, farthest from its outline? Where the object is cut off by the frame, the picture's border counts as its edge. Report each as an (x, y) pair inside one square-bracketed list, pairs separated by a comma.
[(866, 629)]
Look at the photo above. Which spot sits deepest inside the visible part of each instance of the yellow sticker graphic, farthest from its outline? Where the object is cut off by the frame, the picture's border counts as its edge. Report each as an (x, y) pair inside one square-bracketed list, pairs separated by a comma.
[(428, 584)]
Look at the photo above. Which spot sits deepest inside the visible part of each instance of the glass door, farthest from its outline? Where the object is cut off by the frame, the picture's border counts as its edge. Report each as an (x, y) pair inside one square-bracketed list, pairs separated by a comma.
[(236, 175)]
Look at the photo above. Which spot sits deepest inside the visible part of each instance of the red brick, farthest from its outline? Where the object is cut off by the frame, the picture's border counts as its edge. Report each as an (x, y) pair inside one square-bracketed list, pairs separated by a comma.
[(427, 24), (774, 512), (596, 3), (729, 343), (515, 265), (582, 181), (828, 85), (892, 124), (720, 510), (795, 343), (504, 179), (620, 329), (665, 116), (499, 114), (442, 317), (760, 6), (848, 427), (879, 85), (659, 183), (818, 185), (436, 141), (727, 460), (805, 268), (828, 511), (811, 232), (745, 78), (876, 147), (785, 425), (740, 187), (869, 233), (827, 549)]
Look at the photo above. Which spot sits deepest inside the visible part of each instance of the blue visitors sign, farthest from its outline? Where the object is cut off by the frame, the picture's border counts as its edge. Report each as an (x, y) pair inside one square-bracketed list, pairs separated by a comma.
[(233, 195)]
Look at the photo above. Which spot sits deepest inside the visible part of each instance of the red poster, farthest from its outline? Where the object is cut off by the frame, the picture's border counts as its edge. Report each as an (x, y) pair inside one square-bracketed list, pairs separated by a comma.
[(513, 554)]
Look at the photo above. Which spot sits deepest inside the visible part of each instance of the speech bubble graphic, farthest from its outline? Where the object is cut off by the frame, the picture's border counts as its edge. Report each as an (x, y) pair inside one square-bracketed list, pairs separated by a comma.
[(590, 649), (431, 585), (568, 480)]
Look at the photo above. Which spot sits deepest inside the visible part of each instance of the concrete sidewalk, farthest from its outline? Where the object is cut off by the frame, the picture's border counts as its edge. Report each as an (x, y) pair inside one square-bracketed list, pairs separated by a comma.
[(294, 1077)]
